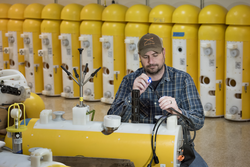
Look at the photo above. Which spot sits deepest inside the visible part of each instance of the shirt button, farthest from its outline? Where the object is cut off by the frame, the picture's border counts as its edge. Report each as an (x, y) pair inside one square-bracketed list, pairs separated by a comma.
[(155, 103), (129, 101)]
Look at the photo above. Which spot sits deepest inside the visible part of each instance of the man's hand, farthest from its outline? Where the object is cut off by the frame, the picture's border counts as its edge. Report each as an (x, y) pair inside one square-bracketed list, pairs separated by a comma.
[(141, 83), (166, 102)]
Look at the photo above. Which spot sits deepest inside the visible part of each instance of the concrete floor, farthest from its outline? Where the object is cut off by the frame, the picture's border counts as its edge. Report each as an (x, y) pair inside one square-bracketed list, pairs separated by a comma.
[(220, 142)]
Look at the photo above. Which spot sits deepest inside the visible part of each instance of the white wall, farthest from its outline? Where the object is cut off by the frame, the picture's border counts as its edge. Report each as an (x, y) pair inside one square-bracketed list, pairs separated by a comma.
[(226, 3)]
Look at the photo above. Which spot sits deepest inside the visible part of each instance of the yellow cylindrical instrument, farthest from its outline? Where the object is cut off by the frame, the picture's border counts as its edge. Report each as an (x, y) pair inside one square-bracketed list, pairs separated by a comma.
[(90, 33), (237, 59), (70, 32), (185, 40), (51, 50), (211, 59), (32, 43), (113, 50), (129, 141)]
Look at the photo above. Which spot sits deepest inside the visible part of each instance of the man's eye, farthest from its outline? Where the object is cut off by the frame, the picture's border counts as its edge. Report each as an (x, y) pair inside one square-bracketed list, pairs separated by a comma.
[(145, 57), (155, 55)]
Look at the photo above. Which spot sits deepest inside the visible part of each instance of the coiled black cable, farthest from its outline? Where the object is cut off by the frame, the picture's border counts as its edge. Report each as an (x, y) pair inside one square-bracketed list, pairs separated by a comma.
[(186, 120)]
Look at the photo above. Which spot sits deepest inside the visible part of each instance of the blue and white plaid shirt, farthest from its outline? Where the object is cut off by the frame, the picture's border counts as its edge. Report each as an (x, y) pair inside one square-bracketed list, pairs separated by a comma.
[(174, 83)]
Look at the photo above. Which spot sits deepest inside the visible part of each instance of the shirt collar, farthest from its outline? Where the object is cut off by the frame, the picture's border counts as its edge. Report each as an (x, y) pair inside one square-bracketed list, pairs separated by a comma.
[(166, 74)]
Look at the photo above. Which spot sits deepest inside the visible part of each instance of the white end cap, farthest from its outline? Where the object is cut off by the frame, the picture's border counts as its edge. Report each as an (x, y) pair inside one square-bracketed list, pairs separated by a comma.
[(112, 121)]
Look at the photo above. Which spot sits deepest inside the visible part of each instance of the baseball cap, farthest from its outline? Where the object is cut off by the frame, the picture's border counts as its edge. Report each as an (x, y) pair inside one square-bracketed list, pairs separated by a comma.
[(149, 42)]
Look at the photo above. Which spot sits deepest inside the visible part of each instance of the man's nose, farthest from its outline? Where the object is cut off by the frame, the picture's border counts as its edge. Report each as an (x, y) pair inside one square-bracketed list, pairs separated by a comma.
[(150, 60)]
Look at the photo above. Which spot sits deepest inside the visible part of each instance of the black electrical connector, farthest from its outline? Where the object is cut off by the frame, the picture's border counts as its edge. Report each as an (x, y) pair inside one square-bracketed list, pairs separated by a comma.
[(85, 69), (76, 74), (67, 72), (94, 73)]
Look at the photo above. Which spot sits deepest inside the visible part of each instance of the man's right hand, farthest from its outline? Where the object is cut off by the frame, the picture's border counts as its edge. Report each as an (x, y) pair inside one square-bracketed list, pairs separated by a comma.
[(141, 83)]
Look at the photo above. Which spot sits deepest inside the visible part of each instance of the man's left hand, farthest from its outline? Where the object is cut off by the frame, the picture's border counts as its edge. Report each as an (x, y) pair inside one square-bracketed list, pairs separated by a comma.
[(166, 102)]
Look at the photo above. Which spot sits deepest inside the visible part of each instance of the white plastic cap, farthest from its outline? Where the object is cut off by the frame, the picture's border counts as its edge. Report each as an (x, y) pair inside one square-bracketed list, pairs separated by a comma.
[(112, 121)]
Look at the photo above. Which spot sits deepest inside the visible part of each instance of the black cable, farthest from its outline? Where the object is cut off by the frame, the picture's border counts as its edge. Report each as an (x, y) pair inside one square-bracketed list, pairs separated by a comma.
[(184, 118), (154, 157)]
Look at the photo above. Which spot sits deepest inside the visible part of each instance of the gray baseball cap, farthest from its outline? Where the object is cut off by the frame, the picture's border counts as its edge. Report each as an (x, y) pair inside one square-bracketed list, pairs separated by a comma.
[(149, 42)]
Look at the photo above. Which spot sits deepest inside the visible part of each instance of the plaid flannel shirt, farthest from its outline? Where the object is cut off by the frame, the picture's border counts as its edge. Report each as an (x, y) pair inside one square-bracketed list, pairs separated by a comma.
[(174, 83)]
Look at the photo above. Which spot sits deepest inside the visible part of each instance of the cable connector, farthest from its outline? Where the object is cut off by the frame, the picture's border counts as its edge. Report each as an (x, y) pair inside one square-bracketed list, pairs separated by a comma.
[(93, 74), (156, 159), (76, 74)]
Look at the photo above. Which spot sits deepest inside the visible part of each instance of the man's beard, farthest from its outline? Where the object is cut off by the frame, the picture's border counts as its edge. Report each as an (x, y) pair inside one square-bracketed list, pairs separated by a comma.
[(147, 69)]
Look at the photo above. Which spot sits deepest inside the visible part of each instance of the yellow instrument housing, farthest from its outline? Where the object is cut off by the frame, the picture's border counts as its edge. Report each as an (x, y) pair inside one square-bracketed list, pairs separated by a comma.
[(53, 27), (239, 33), (215, 33), (191, 37), (117, 30), (94, 28)]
